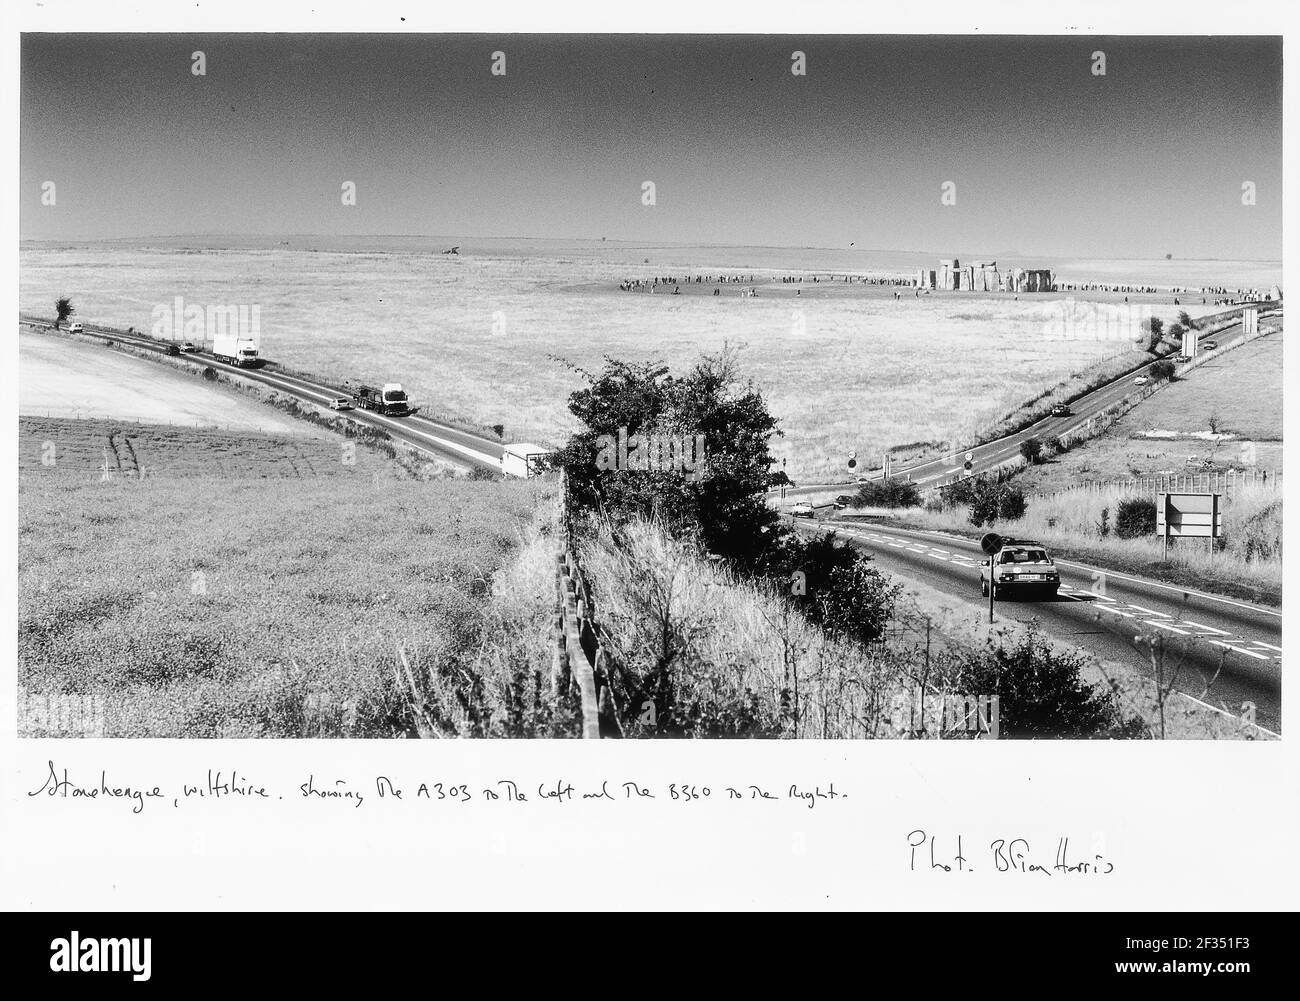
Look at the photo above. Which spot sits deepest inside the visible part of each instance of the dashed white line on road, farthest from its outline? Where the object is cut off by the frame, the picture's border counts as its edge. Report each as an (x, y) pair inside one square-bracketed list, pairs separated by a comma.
[(1240, 649), (1208, 629)]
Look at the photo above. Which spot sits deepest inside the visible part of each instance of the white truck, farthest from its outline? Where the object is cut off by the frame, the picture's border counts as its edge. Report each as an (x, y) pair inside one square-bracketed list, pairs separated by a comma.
[(524, 459), (234, 349)]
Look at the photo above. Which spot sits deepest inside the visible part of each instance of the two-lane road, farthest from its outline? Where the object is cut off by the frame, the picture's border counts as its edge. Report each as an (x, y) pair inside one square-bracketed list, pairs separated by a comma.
[(1227, 652), (992, 454), (421, 433)]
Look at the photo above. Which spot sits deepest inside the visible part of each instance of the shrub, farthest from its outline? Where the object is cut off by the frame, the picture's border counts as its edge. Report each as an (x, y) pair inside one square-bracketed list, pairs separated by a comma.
[(210, 374), (1041, 694), (1135, 518), (844, 593), (1162, 370), (1031, 449), (888, 493), (996, 502)]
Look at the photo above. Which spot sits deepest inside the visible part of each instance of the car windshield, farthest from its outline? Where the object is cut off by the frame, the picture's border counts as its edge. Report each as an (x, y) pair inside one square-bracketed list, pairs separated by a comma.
[(1024, 556)]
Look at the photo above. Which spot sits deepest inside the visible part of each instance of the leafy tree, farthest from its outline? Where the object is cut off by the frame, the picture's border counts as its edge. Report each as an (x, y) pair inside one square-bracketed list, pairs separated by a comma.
[(1155, 333), (1187, 322), (63, 308), (721, 502), (1032, 449)]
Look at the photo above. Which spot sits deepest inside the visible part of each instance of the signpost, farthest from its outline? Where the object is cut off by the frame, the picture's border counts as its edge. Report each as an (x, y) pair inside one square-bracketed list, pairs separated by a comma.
[(1181, 516), (991, 543)]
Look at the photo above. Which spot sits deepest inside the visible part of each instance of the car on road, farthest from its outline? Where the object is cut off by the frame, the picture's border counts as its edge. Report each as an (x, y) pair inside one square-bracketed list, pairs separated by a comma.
[(341, 403), (1141, 380), (189, 348), (75, 328), (1062, 410), (172, 349), (802, 510), (1021, 567), (843, 500), (1209, 345)]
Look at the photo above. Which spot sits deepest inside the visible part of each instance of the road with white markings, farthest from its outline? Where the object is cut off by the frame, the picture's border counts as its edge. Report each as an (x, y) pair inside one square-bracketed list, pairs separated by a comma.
[(1227, 652)]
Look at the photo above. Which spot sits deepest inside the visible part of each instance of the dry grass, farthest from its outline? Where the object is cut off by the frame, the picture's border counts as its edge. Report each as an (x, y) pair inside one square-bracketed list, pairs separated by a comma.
[(1242, 392), (203, 606), (472, 336)]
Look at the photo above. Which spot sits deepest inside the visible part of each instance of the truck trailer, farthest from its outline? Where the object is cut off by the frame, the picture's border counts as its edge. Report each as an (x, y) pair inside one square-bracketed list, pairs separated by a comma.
[(524, 459), (234, 350), (388, 399)]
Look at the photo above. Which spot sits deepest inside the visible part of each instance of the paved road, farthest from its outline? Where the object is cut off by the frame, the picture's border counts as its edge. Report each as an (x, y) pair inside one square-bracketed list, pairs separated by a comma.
[(1104, 610), (421, 433), (990, 455)]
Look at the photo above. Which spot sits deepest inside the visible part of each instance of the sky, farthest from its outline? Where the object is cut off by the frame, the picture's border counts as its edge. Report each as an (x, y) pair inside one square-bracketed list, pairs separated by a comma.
[(1044, 156)]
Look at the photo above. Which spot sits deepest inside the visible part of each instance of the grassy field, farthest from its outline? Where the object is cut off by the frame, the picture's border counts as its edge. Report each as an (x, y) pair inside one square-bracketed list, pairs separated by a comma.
[(477, 336), (1241, 393), (212, 597), (60, 447)]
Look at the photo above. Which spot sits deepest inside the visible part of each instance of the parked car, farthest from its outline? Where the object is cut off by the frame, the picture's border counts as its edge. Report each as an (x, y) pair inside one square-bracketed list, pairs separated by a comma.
[(1062, 410), (844, 500), (1021, 567), (341, 403), (172, 349), (1141, 380), (189, 348), (802, 510), (75, 328), (1209, 345)]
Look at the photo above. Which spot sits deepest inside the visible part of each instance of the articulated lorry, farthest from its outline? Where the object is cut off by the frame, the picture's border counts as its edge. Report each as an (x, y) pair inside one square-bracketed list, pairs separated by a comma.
[(388, 399), (234, 350)]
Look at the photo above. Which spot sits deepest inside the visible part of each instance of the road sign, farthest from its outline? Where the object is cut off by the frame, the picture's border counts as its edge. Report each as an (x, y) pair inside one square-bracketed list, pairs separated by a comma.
[(852, 454), (853, 463), (1181, 516), (969, 456), (991, 543)]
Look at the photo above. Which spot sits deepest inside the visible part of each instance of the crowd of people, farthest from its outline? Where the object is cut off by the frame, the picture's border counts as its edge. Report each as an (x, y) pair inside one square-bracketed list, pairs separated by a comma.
[(672, 282), (1221, 295)]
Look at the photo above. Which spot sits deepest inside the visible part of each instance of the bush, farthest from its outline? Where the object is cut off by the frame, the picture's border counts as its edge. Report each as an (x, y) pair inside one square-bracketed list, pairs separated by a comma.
[(1135, 518), (1163, 370), (888, 493), (844, 593), (1041, 694), (997, 502), (210, 374), (1031, 449)]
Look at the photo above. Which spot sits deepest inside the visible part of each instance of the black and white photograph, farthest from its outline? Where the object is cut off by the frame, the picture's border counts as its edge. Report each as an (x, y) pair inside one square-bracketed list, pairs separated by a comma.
[(646, 386), (613, 460)]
